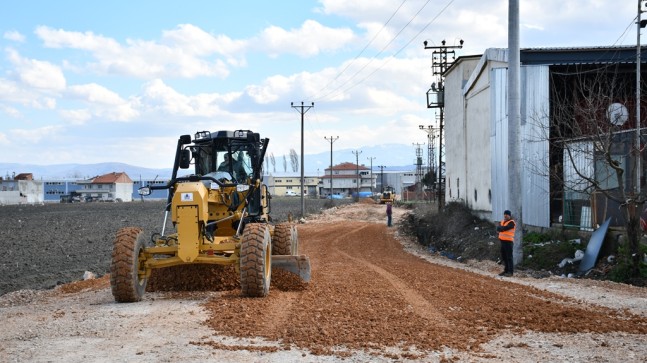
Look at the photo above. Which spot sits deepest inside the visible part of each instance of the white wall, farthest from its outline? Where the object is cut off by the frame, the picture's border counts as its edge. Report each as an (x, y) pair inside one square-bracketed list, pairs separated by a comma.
[(467, 134), (22, 191), (124, 191), (476, 137)]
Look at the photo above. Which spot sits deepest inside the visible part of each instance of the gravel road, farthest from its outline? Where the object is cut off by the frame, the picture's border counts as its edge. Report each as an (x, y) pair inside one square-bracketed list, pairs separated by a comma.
[(374, 296)]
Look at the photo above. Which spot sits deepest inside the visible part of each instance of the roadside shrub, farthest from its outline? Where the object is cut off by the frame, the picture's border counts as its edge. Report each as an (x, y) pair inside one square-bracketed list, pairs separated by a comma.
[(543, 251), (453, 232), (622, 271)]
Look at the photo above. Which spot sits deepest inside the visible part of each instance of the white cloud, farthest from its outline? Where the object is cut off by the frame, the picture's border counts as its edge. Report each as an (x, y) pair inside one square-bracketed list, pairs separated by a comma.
[(4, 140), (11, 111), (35, 135), (14, 36), (42, 103), (37, 74), (196, 41), (309, 40), (76, 117), (59, 38), (272, 89), (123, 112), (103, 103), (18, 93), (159, 97), (95, 93), (179, 58)]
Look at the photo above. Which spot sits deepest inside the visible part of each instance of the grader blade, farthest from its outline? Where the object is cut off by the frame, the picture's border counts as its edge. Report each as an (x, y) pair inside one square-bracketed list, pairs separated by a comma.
[(298, 265)]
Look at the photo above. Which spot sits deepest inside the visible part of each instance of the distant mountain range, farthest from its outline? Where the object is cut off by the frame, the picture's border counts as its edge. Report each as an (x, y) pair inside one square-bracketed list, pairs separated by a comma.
[(395, 157)]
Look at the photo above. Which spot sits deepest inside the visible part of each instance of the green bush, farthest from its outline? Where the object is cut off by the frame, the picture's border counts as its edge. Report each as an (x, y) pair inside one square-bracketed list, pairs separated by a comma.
[(623, 272), (543, 251)]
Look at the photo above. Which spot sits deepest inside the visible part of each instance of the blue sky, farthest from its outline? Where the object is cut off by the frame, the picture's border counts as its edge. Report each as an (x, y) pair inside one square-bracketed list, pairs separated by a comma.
[(120, 81)]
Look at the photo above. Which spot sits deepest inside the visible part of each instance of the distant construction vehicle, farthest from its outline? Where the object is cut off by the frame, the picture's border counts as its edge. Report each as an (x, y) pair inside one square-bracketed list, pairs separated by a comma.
[(387, 196), (220, 214)]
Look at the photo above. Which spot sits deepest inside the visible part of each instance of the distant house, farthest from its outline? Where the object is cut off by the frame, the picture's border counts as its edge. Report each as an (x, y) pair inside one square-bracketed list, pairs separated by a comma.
[(24, 176), (109, 187), (345, 178)]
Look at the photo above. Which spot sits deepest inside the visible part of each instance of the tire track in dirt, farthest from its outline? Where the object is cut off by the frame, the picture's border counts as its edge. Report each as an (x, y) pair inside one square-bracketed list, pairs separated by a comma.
[(368, 293), (421, 306)]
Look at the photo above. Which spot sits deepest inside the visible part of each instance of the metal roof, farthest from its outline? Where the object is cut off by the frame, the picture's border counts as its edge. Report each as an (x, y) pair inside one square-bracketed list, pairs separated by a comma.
[(581, 55), (565, 55)]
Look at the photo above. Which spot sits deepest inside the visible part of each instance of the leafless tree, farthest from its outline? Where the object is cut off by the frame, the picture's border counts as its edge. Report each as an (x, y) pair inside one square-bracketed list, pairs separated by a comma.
[(285, 164), (593, 151), (294, 160), (273, 161)]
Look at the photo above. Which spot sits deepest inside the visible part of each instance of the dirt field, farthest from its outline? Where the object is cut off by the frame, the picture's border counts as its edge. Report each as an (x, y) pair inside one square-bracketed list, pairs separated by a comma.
[(374, 296)]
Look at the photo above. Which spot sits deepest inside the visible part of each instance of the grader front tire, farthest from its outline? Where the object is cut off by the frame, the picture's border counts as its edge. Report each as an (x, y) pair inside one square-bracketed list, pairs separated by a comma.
[(255, 260), (126, 279)]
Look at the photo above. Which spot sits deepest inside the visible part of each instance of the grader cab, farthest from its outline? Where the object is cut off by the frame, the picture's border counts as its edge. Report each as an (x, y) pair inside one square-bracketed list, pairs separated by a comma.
[(220, 214)]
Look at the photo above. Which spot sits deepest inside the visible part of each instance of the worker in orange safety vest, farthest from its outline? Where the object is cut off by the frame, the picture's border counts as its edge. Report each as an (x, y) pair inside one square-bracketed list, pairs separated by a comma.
[(506, 230)]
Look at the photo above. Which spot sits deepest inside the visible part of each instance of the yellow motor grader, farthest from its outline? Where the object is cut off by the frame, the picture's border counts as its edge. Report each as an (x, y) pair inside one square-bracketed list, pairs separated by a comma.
[(220, 214), (388, 196)]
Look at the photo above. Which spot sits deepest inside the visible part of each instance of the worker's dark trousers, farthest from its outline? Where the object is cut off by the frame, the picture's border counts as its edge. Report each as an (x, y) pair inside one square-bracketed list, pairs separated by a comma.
[(506, 256), (388, 220)]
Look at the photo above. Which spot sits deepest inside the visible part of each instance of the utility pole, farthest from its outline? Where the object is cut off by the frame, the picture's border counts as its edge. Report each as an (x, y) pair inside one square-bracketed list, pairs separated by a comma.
[(371, 159), (436, 99), (514, 125), (418, 163), (430, 130), (303, 111), (381, 178), (641, 24), (331, 139), (357, 152)]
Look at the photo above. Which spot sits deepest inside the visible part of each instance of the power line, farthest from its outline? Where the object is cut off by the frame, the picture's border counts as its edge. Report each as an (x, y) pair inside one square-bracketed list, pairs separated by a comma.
[(378, 53), (365, 47), (391, 57)]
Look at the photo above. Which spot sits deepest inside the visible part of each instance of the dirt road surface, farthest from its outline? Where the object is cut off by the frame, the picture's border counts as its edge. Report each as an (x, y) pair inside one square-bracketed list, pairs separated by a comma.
[(374, 296)]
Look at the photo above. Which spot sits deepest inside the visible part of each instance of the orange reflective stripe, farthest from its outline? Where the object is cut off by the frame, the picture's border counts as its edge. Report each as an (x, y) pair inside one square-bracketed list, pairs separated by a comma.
[(509, 234)]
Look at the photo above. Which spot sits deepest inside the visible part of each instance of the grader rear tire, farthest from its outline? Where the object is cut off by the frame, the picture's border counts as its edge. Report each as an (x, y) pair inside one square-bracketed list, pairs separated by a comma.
[(282, 240), (255, 260), (286, 240), (125, 280)]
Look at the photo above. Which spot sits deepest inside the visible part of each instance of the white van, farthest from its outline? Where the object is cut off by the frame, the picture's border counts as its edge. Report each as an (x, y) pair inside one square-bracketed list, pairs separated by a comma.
[(291, 193)]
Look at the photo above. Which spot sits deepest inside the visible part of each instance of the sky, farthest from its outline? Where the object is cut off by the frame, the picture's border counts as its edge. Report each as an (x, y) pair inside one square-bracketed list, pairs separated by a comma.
[(119, 81)]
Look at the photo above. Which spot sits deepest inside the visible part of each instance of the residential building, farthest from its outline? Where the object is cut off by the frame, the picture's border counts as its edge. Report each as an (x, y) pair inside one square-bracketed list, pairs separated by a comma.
[(109, 187), (348, 179)]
